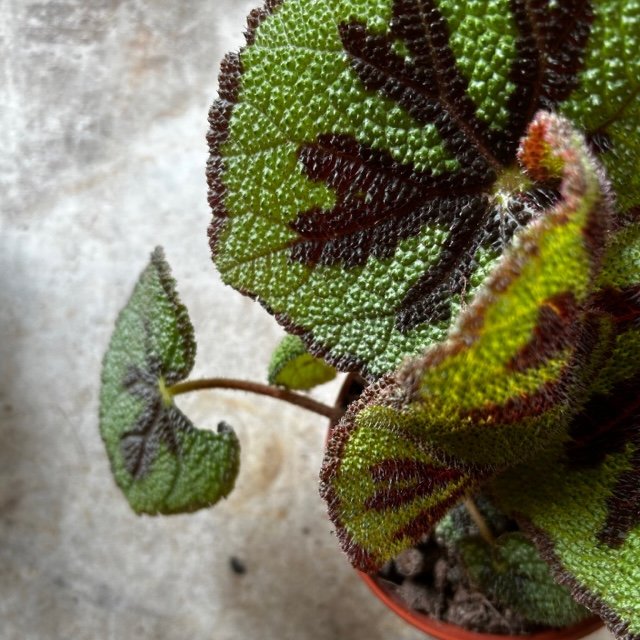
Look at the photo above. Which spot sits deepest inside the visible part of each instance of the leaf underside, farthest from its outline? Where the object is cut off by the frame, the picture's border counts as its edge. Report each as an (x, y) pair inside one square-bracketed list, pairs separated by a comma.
[(162, 463), (363, 174)]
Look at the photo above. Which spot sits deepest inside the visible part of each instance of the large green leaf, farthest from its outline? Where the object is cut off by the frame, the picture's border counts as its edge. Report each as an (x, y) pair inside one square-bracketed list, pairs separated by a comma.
[(501, 388), (363, 172), (584, 516), (162, 463), (581, 500), (293, 367)]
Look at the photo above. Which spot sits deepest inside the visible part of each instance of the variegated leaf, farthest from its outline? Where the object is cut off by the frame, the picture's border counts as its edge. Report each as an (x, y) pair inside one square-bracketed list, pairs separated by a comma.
[(583, 512), (500, 389), (363, 174), (581, 501), (382, 483), (512, 572), (162, 463)]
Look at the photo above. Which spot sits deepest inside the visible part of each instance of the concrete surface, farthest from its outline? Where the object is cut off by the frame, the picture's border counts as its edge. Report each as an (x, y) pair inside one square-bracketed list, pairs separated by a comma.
[(103, 116)]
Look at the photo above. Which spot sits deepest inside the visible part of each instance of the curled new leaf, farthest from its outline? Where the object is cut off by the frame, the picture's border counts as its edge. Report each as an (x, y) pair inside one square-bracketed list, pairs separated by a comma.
[(293, 367), (513, 370), (162, 463), (501, 388), (363, 174)]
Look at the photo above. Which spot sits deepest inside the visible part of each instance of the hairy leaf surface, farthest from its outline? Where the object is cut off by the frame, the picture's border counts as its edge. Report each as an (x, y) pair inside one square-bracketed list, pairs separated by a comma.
[(500, 389), (581, 500), (383, 484), (162, 463), (512, 572), (363, 174), (584, 520)]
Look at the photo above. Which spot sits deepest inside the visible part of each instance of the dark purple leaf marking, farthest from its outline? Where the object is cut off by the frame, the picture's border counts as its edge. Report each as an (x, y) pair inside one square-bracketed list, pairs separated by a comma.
[(621, 305), (609, 423), (381, 202), (555, 330), (417, 479)]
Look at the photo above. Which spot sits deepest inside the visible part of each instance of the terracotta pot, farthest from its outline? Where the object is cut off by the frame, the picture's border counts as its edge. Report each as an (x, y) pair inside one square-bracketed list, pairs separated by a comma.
[(350, 390), (445, 631)]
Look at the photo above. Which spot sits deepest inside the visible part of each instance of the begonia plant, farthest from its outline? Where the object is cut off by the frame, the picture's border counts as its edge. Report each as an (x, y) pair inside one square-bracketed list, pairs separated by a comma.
[(442, 196)]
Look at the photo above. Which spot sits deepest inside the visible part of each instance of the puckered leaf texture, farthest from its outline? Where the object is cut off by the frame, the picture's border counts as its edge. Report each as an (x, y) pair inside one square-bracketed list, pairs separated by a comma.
[(369, 187), (584, 517), (580, 501), (363, 174), (162, 463), (512, 571), (502, 387)]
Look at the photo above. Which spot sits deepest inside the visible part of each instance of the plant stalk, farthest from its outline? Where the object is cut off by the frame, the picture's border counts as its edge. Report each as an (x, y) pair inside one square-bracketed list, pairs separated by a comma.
[(296, 399), (479, 520)]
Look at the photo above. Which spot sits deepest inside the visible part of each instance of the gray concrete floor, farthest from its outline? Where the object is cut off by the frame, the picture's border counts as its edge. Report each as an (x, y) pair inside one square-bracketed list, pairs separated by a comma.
[(103, 118)]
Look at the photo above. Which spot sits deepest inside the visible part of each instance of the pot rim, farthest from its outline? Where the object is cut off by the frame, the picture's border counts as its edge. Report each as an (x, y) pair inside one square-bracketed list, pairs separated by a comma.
[(447, 631)]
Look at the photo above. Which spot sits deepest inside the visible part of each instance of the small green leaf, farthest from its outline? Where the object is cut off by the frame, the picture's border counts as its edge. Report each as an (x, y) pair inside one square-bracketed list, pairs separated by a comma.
[(162, 463), (512, 572), (293, 367)]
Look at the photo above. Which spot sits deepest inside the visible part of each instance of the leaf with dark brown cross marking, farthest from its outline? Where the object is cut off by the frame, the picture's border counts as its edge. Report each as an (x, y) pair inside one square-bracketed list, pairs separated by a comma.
[(580, 503), (162, 463), (363, 173), (580, 500), (383, 485)]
